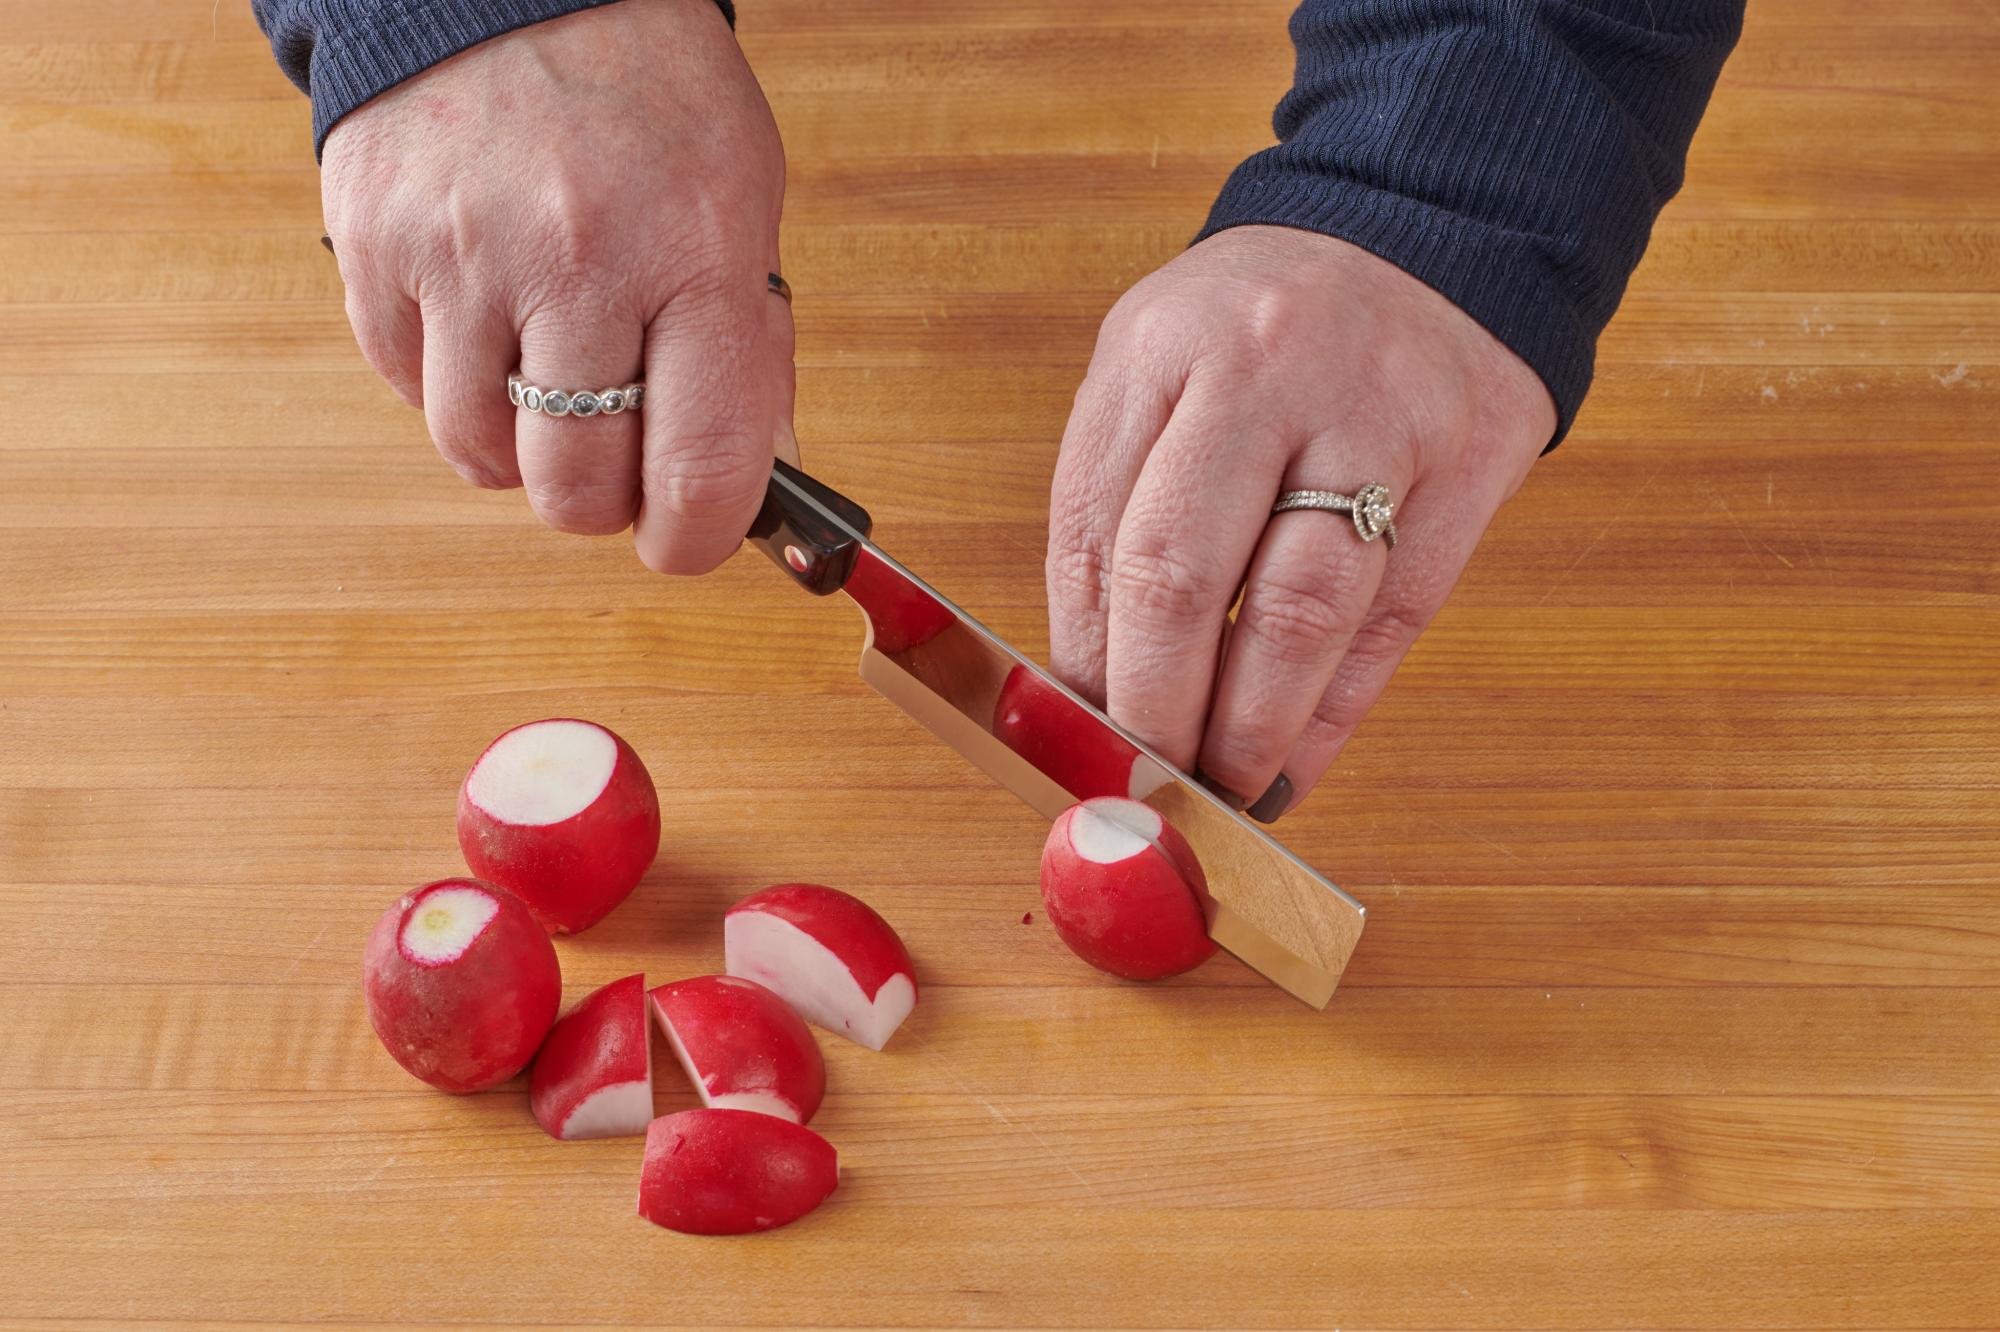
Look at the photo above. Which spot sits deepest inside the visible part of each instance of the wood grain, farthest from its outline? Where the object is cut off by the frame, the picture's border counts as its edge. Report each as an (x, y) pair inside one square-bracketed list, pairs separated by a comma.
[(1679, 1004)]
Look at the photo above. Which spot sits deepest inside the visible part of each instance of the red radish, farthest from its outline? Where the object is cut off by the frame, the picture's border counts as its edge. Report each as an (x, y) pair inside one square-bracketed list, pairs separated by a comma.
[(825, 953), (461, 983), (743, 1049), (902, 616), (562, 814), (1074, 749), (729, 1172), (594, 1075), (1124, 890)]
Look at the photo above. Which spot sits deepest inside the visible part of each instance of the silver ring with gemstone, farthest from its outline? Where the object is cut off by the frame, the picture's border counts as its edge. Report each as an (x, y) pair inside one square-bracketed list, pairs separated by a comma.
[(575, 402), (1372, 508)]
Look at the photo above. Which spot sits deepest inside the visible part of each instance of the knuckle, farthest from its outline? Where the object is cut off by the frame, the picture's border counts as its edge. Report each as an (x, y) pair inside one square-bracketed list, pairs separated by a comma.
[(585, 508), (1385, 635), (1078, 569), (703, 475), (1153, 578), (1298, 620)]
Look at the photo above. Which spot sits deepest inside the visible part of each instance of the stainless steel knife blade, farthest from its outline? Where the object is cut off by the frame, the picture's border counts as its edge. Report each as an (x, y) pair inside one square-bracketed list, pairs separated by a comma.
[(1050, 747)]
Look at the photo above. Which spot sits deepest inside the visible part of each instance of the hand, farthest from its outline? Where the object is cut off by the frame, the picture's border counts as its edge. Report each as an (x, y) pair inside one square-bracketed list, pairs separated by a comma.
[(1263, 360), (584, 198)]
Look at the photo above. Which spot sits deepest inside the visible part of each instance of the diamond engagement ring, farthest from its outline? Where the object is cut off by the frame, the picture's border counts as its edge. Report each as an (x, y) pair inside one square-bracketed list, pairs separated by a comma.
[(1371, 507), (596, 402)]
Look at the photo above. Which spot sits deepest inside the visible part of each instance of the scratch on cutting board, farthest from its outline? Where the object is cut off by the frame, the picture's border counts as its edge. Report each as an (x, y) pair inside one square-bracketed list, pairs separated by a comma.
[(996, 1112), (303, 951), (1957, 373), (1603, 532)]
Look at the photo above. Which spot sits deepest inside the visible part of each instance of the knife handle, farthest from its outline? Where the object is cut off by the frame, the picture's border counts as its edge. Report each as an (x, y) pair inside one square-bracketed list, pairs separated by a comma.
[(809, 530)]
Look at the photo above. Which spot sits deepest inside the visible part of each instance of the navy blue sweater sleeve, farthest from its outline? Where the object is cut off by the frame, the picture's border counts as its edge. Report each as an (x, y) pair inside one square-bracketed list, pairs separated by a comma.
[(1511, 154), (343, 52)]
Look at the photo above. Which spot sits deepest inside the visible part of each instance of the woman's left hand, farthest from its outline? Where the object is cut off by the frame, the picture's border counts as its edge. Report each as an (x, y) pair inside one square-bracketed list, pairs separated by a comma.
[(1265, 360)]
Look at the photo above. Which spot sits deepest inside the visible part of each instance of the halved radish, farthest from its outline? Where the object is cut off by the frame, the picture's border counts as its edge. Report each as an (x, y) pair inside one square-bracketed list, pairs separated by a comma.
[(742, 1047), (1124, 890), (461, 984), (594, 1075), (1072, 748), (827, 954), (563, 814), (730, 1172)]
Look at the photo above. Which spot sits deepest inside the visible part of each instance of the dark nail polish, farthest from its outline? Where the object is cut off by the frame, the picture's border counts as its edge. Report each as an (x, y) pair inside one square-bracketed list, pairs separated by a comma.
[(1221, 792), (1273, 802), (328, 242)]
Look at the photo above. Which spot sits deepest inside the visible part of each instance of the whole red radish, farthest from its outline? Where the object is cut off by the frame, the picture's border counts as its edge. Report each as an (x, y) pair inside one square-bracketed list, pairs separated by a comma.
[(562, 814), (594, 1075), (461, 983), (1072, 748), (742, 1046), (1124, 890), (730, 1172), (827, 954)]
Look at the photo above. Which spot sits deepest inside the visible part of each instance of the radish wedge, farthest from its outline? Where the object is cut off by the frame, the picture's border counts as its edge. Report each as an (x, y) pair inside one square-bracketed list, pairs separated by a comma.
[(828, 954), (594, 1075), (731, 1172), (742, 1047)]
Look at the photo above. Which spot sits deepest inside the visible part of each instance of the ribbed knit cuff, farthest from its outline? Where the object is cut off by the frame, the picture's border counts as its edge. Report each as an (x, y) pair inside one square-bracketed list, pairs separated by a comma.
[(1493, 276), (354, 61)]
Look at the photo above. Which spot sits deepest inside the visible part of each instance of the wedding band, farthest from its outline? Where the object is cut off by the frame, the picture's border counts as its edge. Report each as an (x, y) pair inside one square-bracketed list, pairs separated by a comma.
[(598, 402), (574, 402), (1371, 507)]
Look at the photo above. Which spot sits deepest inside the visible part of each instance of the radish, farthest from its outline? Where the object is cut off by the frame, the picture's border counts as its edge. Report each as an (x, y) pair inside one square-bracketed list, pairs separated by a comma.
[(1124, 890), (825, 953), (562, 814), (902, 616), (461, 984), (743, 1049), (729, 1172), (594, 1075), (1072, 748)]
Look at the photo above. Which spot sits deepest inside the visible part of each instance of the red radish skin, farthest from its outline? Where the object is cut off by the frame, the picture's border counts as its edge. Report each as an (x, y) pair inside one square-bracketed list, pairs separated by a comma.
[(562, 814), (902, 617), (1123, 889), (826, 953), (1072, 748), (742, 1046), (731, 1172), (594, 1075), (461, 984)]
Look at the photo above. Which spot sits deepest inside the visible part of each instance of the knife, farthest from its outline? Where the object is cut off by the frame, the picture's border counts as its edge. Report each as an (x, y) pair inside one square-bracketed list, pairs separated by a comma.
[(949, 672)]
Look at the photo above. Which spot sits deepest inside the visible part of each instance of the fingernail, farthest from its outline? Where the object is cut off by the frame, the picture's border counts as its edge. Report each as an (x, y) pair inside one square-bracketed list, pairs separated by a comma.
[(328, 242), (1220, 792), (1273, 802)]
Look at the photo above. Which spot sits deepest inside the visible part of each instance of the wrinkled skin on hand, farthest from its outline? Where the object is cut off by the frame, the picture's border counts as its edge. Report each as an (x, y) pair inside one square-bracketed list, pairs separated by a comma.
[(591, 199), (1264, 360)]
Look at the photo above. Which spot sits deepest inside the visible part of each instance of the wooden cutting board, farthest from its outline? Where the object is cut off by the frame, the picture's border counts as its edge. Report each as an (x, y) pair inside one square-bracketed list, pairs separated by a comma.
[(1680, 1001)]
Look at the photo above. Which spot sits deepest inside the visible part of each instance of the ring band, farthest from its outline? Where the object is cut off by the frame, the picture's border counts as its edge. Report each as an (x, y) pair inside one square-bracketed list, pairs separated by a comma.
[(598, 402), (1372, 508), (575, 402)]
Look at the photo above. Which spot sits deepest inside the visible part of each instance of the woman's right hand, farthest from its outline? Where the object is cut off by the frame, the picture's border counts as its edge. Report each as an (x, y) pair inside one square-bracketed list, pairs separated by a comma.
[(591, 200)]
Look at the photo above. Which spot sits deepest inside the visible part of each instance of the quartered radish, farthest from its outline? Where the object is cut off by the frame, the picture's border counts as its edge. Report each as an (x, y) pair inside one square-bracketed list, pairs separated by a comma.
[(1124, 890), (826, 953), (563, 814), (742, 1046), (461, 984), (730, 1172), (1071, 747), (594, 1075)]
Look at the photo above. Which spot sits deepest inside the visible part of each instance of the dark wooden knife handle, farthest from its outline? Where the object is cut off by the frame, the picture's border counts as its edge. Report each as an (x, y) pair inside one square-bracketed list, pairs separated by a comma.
[(810, 530)]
